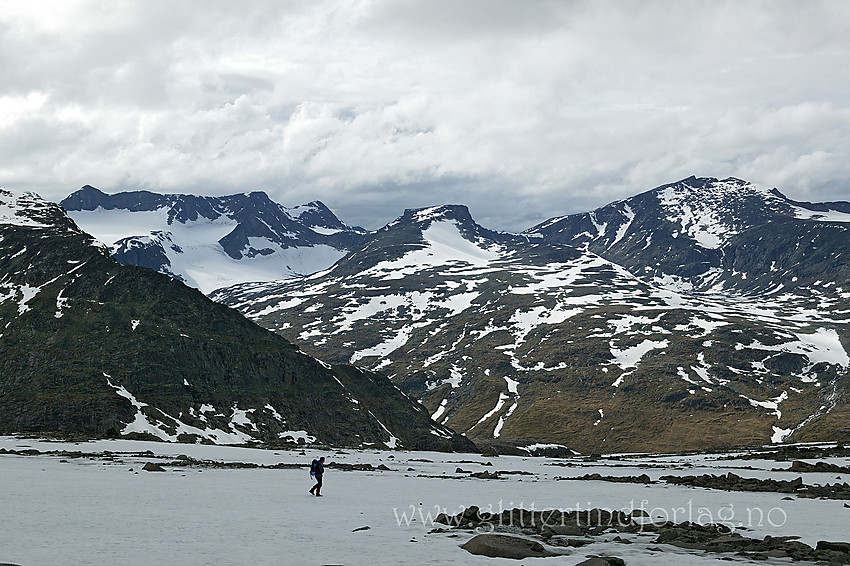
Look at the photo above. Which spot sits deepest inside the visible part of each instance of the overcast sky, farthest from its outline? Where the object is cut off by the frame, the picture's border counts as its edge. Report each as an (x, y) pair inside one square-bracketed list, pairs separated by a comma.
[(522, 110)]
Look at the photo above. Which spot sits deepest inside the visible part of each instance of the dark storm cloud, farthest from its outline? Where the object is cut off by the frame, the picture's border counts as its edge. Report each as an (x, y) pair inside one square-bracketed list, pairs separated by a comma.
[(522, 110)]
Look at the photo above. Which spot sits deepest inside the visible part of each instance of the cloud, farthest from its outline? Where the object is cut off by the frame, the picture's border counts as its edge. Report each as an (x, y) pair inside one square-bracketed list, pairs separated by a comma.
[(521, 110)]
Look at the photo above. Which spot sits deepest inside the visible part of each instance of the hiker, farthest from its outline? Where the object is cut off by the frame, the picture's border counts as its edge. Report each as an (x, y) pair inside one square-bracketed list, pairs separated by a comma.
[(317, 468)]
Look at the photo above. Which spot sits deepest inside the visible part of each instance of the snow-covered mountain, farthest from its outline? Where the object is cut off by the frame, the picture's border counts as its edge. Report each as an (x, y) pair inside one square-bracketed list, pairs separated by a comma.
[(212, 242), (91, 348), (714, 235), (656, 330)]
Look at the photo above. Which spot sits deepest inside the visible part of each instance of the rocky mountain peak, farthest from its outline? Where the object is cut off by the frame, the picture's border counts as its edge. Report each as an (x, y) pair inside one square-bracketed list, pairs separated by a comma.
[(707, 233), (210, 242), (451, 217), (457, 212), (18, 208), (86, 198), (710, 211), (315, 215), (30, 210), (91, 198), (424, 217)]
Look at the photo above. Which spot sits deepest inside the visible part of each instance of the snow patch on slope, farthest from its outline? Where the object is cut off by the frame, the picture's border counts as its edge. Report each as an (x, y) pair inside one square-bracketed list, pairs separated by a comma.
[(624, 228), (824, 345), (145, 424), (444, 244), (13, 207), (703, 225), (771, 405), (629, 358), (820, 216)]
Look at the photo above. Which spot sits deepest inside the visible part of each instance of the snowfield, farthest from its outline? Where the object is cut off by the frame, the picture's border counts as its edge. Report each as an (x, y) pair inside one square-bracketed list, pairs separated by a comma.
[(194, 251), (93, 510)]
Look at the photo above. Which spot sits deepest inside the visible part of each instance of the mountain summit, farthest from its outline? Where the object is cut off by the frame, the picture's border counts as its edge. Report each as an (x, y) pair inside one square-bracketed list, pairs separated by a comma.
[(426, 236), (705, 233), (211, 242)]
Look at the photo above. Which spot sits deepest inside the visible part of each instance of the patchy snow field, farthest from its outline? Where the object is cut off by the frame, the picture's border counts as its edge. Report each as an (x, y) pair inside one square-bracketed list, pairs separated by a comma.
[(93, 511)]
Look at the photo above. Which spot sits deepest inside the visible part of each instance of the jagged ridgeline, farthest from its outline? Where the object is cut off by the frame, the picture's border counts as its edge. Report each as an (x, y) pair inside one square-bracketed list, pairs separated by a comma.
[(212, 242), (92, 348)]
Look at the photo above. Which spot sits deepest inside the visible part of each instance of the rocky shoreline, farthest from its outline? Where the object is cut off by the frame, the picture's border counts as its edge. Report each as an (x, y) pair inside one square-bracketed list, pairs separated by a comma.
[(643, 478), (786, 453), (521, 533), (817, 467), (734, 482)]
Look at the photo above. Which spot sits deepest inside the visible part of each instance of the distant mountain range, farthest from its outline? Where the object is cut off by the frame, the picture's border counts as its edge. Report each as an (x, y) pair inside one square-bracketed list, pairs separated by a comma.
[(213, 242), (92, 348), (701, 314)]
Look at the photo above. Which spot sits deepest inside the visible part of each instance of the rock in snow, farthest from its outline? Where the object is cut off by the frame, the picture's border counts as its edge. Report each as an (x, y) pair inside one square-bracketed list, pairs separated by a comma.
[(505, 546)]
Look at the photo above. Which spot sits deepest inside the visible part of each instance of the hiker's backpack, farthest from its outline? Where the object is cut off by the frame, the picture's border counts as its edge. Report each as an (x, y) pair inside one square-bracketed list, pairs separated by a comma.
[(313, 467)]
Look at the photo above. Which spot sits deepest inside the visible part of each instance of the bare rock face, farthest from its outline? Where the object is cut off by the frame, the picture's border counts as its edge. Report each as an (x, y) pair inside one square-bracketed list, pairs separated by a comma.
[(505, 546)]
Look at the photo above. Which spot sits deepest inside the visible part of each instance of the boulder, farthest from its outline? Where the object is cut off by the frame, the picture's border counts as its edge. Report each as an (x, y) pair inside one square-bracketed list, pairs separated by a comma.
[(506, 546), (669, 535), (566, 541), (800, 466), (485, 475), (733, 539), (837, 546), (603, 561), (563, 530), (151, 467)]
